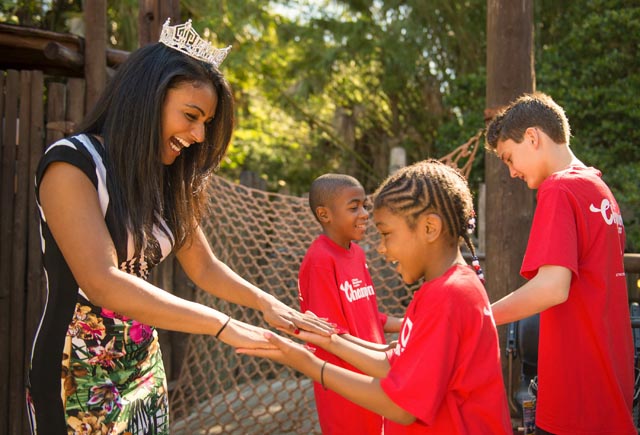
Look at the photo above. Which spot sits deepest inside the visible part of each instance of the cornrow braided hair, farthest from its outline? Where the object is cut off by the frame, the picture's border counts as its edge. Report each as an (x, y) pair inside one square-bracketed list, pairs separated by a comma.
[(432, 186)]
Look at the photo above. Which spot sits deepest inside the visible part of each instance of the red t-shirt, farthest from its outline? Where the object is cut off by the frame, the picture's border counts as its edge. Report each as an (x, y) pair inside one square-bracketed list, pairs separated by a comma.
[(335, 283), (446, 368), (585, 356)]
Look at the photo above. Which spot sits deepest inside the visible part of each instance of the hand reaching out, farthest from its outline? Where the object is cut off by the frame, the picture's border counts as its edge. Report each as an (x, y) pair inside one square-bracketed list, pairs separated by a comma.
[(285, 318), (284, 351), (298, 356), (242, 335), (317, 339)]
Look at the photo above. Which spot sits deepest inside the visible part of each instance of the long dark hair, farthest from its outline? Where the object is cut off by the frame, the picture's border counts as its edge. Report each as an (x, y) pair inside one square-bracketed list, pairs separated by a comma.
[(128, 116)]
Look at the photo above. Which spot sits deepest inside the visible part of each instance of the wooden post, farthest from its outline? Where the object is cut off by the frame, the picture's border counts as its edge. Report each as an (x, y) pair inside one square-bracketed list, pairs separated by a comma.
[(95, 58), (151, 16), (8, 113), (55, 112), (35, 295), (509, 203), (23, 179), (75, 102), (397, 159)]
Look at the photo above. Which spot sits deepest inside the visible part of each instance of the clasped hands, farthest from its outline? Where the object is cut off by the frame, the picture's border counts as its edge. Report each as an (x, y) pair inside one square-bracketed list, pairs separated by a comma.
[(243, 335), (297, 355)]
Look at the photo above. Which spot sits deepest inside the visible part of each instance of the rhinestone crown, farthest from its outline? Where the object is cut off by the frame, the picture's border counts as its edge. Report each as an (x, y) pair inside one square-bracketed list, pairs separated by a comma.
[(183, 38)]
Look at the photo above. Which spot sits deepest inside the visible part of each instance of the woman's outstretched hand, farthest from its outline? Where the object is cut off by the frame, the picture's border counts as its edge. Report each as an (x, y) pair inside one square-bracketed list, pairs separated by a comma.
[(285, 318), (243, 335), (284, 351)]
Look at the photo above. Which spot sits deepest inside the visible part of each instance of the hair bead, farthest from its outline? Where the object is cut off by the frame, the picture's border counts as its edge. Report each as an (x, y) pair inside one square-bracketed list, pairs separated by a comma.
[(475, 263)]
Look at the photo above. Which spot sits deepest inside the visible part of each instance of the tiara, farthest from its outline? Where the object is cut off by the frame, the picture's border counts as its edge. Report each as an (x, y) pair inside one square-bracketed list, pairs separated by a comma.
[(183, 38)]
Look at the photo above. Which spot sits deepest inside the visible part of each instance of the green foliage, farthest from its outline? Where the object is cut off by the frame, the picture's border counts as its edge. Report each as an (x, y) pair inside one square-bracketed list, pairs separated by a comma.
[(24, 12), (355, 78), (592, 69), (326, 85), (467, 101), (40, 14), (123, 24)]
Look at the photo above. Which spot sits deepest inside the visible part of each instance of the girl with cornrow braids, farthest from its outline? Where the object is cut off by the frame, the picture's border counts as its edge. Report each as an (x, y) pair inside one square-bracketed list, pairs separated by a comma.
[(444, 375)]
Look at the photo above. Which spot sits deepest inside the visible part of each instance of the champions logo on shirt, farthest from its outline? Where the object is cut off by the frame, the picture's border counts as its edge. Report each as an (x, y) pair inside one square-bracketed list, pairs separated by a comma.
[(354, 292), (403, 338), (609, 215)]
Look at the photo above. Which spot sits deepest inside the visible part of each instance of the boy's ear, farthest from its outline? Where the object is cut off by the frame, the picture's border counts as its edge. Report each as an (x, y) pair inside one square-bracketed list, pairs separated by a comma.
[(531, 137), (323, 214), (432, 226)]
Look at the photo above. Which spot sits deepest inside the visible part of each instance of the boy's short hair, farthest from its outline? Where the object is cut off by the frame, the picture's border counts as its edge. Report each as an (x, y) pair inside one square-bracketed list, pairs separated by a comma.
[(324, 189), (529, 110)]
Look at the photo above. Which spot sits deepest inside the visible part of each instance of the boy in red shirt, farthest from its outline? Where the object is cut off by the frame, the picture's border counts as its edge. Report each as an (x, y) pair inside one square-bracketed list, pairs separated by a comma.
[(335, 284), (444, 376), (574, 263)]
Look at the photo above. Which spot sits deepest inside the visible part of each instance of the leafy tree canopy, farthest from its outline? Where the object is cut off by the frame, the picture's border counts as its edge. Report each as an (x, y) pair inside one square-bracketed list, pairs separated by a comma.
[(334, 85), (588, 61)]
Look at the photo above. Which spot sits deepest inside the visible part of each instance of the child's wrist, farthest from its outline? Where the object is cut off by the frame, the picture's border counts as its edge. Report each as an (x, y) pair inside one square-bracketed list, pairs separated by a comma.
[(334, 339)]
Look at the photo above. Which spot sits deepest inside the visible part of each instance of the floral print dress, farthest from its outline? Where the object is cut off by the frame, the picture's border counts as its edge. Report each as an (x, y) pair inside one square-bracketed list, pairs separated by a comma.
[(94, 371)]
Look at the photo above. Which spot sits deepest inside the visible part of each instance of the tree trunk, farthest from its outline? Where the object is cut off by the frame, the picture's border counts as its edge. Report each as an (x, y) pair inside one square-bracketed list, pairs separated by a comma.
[(151, 16), (95, 58), (509, 203)]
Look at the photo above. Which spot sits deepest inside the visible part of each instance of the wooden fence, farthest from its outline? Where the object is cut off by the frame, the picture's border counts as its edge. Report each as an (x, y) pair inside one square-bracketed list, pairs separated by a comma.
[(21, 295), (35, 110), (23, 133)]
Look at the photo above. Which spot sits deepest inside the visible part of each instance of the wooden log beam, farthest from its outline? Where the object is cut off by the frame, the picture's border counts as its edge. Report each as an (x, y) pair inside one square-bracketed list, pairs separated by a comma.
[(59, 53), (632, 263), (55, 53), (36, 39), (116, 57)]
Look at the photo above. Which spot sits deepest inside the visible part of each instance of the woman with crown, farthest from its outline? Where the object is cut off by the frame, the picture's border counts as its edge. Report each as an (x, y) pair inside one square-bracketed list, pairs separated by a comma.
[(114, 200)]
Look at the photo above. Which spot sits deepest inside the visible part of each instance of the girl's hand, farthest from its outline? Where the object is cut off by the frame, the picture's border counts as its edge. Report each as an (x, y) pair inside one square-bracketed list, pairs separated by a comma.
[(356, 387), (282, 317), (319, 340), (370, 345), (242, 335), (284, 351)]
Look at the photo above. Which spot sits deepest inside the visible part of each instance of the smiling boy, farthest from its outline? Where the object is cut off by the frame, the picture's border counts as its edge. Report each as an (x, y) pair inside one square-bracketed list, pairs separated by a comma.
[(574, 263), (334, 283)]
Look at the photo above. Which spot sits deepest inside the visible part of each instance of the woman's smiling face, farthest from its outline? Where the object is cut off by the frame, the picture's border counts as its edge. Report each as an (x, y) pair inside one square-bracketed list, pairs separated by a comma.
[(187, 109)]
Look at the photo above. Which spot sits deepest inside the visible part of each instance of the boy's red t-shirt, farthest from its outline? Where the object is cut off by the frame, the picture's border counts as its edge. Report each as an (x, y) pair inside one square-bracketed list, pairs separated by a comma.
[(446, 368), (335, 283), (585, 357)]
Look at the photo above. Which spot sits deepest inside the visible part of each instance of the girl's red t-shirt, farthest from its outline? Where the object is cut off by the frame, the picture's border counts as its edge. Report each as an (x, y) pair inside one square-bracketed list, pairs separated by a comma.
[(446, 368)]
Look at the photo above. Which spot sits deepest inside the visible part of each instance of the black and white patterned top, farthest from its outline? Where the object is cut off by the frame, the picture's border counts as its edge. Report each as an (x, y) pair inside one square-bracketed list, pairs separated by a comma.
[(65, 301)]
